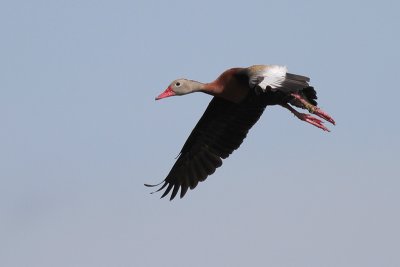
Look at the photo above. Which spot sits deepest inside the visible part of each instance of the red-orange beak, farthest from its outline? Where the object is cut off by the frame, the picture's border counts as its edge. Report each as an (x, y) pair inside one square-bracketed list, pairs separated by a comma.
[(167, 93)]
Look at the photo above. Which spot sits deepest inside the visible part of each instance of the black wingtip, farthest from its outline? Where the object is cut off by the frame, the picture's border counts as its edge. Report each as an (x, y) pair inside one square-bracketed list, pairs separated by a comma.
[(153, 185), (167, 190), (173, 187), (174, 191)]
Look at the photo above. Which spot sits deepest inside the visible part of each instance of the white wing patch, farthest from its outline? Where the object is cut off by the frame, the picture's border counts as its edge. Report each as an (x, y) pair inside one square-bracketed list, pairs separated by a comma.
[(274, 76)]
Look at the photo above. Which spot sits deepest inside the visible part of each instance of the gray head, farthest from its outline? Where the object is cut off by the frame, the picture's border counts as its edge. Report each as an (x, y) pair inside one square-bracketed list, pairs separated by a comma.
[(180, 87)]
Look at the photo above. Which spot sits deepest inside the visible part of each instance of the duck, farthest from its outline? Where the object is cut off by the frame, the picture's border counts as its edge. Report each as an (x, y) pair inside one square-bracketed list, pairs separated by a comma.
[(240, 96)]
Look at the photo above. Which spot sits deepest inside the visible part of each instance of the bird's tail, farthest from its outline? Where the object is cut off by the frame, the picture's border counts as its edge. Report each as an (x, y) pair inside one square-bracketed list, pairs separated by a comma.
[(310, 94), (299, 84), (293, 83)]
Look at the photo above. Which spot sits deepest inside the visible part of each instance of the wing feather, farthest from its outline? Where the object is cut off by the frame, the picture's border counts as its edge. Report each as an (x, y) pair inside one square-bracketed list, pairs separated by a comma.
[(275, 78), (221, 130)]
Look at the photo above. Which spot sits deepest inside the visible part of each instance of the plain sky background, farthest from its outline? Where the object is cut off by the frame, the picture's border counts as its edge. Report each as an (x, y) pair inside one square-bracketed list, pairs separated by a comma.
[(81, 133)]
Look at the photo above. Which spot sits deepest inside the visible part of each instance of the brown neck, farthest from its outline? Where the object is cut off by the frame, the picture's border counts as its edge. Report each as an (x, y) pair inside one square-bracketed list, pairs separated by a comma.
[(228, 87), (212, 88)]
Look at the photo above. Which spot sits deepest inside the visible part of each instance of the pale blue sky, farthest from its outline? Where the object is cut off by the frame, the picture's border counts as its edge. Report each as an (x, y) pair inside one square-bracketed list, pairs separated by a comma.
[(81, 133)]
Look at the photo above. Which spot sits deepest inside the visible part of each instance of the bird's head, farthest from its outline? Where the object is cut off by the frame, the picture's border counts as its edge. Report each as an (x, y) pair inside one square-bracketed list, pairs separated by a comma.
[(178, 87)]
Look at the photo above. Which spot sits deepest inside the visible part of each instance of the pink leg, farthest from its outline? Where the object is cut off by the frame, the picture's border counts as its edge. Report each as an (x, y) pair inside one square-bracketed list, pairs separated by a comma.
[(307, 118), (314, 110)]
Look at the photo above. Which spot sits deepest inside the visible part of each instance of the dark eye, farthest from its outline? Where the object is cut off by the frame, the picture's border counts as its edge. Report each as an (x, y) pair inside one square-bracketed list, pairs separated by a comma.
[(178, 84)]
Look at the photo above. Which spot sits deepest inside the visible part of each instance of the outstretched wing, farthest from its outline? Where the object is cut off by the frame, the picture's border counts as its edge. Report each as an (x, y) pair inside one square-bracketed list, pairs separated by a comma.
[(220, 131)]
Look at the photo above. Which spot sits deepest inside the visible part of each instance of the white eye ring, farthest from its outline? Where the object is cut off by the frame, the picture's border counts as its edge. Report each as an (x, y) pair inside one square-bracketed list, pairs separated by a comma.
[(177, 84)]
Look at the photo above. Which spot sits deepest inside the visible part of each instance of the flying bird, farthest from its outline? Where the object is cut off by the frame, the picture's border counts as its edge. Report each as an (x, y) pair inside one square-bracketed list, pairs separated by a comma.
[(240, 96)]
